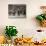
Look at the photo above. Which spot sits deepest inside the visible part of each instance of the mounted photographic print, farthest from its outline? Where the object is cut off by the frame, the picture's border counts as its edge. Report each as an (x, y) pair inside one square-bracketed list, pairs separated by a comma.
[(17, 10)]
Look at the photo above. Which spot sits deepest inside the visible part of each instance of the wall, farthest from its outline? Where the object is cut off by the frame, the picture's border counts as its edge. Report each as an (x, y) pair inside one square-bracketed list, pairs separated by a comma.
[(25, 26)]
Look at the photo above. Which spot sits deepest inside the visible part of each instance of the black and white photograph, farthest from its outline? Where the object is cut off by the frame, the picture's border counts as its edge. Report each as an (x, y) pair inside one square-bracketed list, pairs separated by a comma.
[(17, 10)]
